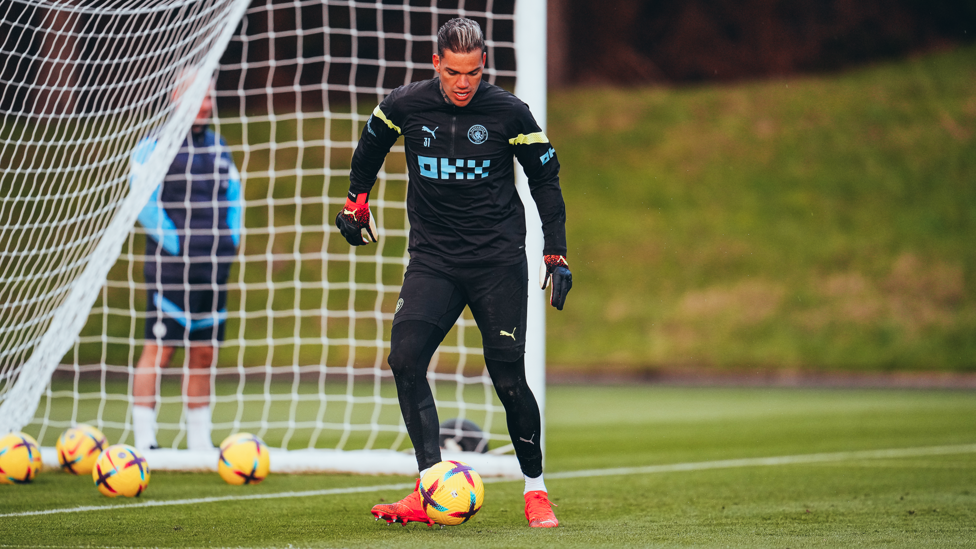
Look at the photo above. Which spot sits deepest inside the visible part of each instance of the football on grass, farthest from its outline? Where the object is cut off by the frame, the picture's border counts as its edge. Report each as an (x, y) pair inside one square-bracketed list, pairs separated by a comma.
[(79, 447), (20, 458), (452, 492), (121, 471), (243, 459)]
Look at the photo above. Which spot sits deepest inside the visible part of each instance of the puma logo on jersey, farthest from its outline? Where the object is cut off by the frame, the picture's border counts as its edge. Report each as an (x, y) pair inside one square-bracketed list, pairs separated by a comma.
[(430, 131), (531, 438), (509, 334)]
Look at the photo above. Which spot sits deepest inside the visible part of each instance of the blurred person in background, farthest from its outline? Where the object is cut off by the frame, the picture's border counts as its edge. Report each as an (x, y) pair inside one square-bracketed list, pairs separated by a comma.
[(192, 224)]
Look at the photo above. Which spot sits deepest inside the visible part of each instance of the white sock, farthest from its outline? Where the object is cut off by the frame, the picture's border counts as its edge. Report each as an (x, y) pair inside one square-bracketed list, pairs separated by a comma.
[(198, 428), (424, 472), (533, 484), (144, 426)]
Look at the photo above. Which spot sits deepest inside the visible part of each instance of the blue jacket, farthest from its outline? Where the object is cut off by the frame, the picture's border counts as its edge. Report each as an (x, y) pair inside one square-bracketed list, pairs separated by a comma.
[(198, 202)]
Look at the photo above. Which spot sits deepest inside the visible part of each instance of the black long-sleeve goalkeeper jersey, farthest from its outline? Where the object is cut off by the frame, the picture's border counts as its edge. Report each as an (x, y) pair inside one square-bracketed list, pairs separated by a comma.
[(461, 199)]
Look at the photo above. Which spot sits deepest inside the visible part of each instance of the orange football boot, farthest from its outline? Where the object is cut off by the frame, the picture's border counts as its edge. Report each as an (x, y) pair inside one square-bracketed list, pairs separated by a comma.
[(408, 509), (538, 511)]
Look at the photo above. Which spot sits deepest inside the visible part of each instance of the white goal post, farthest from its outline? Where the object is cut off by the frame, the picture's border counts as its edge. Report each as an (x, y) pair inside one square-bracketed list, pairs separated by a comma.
[(303, 364)]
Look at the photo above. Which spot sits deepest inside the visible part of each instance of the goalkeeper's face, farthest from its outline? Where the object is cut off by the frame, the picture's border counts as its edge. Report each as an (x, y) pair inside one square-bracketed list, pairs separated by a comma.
[(460, 75)]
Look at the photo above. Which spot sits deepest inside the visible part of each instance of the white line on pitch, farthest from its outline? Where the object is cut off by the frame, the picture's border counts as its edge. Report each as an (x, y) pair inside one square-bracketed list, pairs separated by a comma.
[(651, 469), (163, 503), (781, 460)]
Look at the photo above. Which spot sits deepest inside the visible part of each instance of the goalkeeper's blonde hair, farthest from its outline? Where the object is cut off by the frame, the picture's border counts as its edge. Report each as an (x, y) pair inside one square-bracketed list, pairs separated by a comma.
[(460, 35)]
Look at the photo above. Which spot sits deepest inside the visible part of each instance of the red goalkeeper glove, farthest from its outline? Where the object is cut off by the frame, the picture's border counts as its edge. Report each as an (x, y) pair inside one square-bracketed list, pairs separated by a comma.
[(355, 221), (555, 269)]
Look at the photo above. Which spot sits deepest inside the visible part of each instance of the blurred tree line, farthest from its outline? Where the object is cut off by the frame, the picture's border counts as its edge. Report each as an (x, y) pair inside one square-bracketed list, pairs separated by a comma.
[(642, 41), (629, 42)]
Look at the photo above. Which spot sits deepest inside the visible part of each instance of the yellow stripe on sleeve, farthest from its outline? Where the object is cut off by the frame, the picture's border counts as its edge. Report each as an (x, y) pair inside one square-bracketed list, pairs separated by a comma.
[(522, 139), (379, 114)]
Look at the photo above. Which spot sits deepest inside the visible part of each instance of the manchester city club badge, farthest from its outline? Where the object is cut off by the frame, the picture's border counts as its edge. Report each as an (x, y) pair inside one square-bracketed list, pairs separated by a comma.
[(477, 134)]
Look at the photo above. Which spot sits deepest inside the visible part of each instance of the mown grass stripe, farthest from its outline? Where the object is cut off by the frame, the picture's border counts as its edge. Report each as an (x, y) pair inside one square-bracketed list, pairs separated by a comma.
[(650, 469)]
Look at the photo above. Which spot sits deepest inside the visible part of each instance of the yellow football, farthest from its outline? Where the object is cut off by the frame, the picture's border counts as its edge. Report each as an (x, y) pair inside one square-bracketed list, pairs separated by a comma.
[(243, 459), (79, 447), (20, 458), (121, 471), (452, 492)]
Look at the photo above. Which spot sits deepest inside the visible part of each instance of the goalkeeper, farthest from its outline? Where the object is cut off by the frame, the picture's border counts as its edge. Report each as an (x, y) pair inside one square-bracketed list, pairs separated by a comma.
[(467, 242), (192, 227)]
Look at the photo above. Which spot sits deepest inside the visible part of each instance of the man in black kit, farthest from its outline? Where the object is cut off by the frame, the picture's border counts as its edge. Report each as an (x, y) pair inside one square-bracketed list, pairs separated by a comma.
[(467, 243)]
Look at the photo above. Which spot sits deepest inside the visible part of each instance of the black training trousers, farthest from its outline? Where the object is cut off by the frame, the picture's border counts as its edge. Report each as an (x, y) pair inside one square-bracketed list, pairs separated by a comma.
[(431, 301)]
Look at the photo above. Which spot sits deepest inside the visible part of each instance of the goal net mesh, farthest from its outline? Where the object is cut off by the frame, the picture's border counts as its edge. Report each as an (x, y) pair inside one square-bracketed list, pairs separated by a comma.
[(303, 364)]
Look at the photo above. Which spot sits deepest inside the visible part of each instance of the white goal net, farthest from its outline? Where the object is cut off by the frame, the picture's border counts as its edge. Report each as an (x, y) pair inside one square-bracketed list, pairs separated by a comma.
[(303, 363)]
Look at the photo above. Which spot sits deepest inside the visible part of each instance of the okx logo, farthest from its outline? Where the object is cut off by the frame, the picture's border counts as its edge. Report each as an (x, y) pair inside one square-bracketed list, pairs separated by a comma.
[(452, 168), (548, 156)]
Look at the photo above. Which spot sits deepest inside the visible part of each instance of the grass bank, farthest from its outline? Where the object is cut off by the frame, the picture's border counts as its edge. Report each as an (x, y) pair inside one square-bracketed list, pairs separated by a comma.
[(809, 223)]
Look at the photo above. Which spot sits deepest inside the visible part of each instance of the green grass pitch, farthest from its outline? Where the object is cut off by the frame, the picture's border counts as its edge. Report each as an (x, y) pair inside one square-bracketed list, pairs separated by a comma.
[(684, 492)]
